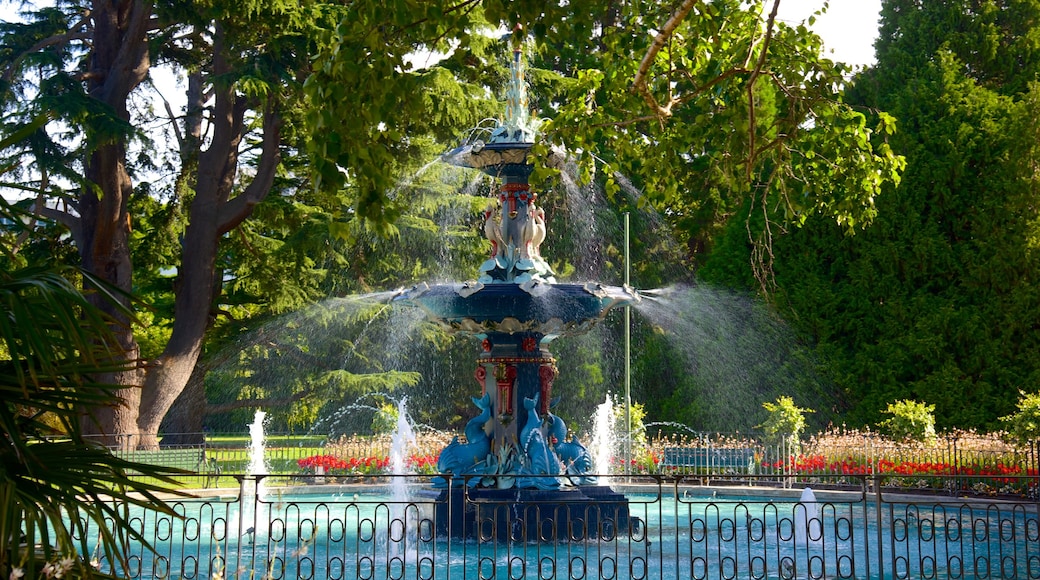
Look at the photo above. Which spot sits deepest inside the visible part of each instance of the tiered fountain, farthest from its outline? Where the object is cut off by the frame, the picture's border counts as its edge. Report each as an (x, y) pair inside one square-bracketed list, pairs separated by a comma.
[(516, 475)]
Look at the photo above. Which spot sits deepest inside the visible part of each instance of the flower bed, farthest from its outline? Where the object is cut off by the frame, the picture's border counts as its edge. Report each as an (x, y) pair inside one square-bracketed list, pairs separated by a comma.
[(332, 465)]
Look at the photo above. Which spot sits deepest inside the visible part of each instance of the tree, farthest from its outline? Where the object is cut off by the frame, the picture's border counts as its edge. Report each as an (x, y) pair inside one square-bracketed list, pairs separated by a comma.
[(670, 117), (723, 106), (937, 299), (785, 423), (244, 66)]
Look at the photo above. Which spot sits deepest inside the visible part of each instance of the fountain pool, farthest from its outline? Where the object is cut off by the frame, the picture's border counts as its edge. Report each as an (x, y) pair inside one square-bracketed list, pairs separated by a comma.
[(350, 531)]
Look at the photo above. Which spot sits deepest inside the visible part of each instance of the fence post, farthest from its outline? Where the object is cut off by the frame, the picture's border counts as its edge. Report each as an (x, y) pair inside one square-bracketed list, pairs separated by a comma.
[(880, 525)]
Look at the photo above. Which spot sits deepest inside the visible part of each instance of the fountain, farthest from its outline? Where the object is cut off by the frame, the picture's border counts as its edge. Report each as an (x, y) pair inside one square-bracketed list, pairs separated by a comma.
[(516, 459)]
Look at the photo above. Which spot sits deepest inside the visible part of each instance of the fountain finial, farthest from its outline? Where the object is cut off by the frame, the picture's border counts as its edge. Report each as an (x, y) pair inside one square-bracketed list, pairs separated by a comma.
[(516, 126)]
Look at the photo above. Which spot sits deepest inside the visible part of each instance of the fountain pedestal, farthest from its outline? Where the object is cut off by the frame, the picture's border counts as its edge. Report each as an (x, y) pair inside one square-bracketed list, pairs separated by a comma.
[(517, 475), (534, 515)]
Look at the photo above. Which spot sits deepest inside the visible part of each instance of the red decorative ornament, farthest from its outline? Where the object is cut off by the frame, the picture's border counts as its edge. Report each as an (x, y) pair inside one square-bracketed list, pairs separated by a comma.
[(528, 344), (486, 345), (505, 375), (547, 374), (481, 375)]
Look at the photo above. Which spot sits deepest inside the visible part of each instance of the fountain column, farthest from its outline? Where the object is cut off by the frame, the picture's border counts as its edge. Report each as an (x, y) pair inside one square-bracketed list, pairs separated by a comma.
[(513, 372)]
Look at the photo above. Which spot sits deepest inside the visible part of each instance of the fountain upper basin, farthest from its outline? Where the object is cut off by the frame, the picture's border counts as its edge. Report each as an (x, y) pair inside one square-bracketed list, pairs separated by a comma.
[(543, 308), (507, 160)]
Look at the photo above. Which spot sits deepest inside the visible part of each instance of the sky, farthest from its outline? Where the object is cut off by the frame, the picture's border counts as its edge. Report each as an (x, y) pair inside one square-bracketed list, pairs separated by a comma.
[(848, 28)]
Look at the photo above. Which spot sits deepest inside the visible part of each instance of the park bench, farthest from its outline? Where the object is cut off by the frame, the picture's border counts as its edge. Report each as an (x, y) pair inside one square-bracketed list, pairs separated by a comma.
[(191, 459), (711, 459)]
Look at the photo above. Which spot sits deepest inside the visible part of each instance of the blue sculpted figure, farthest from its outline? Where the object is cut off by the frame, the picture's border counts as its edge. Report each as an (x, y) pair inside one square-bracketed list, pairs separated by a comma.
[(538, 458), (468, 458), (572, 454), (576, 461)]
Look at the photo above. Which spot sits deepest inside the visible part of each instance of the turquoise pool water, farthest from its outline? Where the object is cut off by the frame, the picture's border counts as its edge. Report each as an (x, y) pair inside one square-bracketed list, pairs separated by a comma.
[(362, 533)]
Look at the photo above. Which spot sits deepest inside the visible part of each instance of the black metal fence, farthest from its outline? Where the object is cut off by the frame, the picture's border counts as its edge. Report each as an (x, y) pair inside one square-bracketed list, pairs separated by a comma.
[(745, 526)]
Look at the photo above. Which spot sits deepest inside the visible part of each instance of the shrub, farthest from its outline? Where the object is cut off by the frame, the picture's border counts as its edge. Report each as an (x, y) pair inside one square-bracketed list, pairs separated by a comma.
[(1024, 425), (910, 420), (385, 419), (786, 420), (637, 414)]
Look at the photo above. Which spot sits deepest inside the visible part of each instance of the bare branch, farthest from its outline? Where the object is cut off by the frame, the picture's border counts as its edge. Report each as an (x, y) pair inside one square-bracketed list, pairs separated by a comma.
[(62, 217), (38, 205), (173, 121)]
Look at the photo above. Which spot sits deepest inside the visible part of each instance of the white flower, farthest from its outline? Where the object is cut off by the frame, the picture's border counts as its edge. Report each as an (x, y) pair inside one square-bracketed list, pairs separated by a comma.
[(15, 574), (49, 570)]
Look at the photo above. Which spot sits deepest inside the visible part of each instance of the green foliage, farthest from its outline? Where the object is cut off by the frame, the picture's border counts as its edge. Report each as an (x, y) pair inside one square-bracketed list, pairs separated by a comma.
[(937, 299), (701, 128), (385, 419), (1024, 424), (910, 420), (53, 342), (786, 420), (637, 418)]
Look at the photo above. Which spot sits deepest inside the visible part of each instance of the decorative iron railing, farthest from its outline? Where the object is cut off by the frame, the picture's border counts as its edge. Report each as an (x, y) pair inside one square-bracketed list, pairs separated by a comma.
[(743, 526)]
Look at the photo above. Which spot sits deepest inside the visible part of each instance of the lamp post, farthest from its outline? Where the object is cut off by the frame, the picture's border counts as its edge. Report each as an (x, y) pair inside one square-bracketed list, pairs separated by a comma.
[(628, 357)]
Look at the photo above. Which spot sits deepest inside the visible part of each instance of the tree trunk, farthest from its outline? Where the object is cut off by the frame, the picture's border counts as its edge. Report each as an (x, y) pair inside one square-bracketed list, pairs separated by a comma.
[(213, 213), (183, 424), (119, 62)]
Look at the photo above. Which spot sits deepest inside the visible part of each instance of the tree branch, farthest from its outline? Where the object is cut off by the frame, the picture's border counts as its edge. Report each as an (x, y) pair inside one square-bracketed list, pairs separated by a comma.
[(173, 121), (639, 82), (64, 218), (131, 61), (57, 40), (755, 73), (236, 210)]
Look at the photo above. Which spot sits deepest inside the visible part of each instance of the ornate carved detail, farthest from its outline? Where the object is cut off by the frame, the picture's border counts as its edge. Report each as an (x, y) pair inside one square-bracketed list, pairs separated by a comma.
[(519, 360), (547, 374), (505, 378), (481, 375), (529, 344)]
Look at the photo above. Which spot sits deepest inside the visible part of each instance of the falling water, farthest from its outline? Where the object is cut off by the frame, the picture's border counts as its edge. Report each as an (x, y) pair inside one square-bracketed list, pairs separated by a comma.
[(603, 437), (252, 488), (257, 461), (730, 354), (401, 442), (581, 201), (808, 529)]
